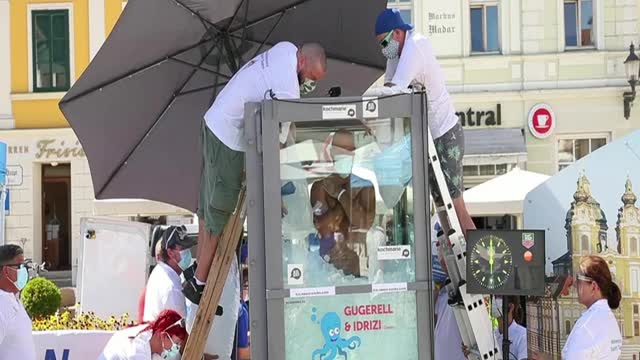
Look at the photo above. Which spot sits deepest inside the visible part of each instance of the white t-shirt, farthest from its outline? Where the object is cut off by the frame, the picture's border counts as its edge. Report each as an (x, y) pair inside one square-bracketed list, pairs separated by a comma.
[(16, 331), (275, 70), (418, 65), (164, 291), (596, 335), (448, 342), (128, 344), (518, 339)]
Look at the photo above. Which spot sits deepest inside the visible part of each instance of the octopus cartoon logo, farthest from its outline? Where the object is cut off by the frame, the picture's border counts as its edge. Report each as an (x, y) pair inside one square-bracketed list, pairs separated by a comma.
[(334, 346)]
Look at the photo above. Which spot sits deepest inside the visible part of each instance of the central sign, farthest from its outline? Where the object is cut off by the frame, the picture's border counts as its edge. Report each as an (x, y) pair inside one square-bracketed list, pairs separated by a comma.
[(474, 117)]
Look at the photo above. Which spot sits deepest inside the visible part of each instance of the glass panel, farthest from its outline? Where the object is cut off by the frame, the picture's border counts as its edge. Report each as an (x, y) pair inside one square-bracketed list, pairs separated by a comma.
[(477, 30), (352, 327), (586, 22), (470, 170), (487, 170), (349, 200), (570, 24), (42, 51), (492, 29), (582, 148), (59, 26), (565, 151), (406, 16), (598, 143)]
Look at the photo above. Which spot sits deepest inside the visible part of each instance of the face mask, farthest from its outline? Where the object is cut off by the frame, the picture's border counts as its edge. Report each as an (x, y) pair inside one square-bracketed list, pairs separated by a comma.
[(185, 259), (22, 278), (173, 353), (343, 165), (391, 50), (307, 86)]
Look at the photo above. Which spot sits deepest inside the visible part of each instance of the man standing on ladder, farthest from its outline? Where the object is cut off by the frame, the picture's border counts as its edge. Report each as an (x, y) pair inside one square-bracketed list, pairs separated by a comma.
[(283, 72), (411, 60)]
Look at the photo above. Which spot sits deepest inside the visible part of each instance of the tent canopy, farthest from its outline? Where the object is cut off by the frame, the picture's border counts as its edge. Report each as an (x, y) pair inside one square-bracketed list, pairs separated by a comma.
[(503, 194)]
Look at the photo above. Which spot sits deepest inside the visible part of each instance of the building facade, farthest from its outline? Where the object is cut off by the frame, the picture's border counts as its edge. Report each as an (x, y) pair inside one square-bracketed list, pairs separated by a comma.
[(44, 47), (537, 84)]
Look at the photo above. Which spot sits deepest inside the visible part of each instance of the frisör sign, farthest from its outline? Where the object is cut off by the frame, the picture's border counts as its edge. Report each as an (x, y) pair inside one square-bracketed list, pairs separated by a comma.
[(542, 121)]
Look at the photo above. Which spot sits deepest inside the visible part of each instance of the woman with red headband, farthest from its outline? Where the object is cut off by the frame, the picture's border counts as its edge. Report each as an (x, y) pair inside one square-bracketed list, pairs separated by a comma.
[(163, 338)]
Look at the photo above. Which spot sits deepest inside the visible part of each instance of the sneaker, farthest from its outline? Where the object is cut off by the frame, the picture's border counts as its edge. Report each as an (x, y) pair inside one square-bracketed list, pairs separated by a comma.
[(190, 272), (192, 291)]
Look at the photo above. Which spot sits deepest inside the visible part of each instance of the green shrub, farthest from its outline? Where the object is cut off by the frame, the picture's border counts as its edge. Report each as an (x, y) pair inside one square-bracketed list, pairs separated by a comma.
[(41, 297)]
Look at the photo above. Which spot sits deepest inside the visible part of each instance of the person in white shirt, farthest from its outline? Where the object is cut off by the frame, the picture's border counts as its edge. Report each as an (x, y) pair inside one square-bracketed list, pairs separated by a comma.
[(163, 338), (596, 334), (164, 288), (517, 333), (411, 60), (16, 336), (282, 72)]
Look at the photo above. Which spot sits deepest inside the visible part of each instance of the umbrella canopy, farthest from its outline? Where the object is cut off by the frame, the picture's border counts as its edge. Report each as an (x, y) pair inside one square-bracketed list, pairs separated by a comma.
[(503, 194), (138, 108)]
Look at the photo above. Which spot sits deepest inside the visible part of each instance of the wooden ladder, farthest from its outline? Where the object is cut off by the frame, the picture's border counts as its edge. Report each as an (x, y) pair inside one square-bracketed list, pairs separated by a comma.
[(218, 273)]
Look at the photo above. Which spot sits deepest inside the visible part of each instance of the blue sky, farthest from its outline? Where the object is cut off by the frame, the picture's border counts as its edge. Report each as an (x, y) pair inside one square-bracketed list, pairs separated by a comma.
[(607, 169)]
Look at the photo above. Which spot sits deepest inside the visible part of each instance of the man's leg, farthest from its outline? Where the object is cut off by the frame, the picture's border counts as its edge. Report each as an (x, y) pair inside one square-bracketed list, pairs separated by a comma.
[(466, 222), (206, 252), (450, 148)]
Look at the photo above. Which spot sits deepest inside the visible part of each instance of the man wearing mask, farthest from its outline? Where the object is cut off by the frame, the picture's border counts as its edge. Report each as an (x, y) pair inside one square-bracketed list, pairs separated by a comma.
[(164, 289), (411, 60), (284, 72), (16, 337)]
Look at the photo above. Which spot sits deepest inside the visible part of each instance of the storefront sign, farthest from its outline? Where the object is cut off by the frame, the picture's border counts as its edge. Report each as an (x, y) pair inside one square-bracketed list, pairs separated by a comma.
[(357, 326), (541, 121), (444, 26), (52, 149), (473, 117), (14, 175)]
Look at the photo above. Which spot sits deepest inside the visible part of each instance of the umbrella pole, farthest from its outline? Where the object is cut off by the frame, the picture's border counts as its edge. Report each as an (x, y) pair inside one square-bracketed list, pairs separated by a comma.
[(215, 282)]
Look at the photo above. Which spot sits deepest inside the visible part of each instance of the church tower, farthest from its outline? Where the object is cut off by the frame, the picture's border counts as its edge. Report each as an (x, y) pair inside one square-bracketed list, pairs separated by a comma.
[(585, 223)]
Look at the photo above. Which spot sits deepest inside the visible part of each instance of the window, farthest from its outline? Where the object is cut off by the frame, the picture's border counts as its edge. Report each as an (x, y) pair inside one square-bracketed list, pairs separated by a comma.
[(636, 328), (574, 149), (584, 243), (484, 28), (487, 170), (578, 23), (634, 246), (634, 280), (404, 6), (50, 50), (567, 327), (635, 309)]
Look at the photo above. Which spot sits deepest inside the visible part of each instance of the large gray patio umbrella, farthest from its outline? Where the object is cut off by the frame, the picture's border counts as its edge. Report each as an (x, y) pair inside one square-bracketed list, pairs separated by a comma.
[(138, 107)]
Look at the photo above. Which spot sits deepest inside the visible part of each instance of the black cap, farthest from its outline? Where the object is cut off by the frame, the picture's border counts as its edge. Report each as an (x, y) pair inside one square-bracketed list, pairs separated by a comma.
[(177, 235)]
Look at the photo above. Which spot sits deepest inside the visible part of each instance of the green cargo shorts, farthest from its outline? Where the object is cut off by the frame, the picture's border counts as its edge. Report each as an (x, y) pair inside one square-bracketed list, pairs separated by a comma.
[(450, 149), (220, 183)]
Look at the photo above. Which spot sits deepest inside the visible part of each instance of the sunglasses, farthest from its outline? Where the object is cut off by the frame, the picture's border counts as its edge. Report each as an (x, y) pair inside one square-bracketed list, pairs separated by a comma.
[(386, 40)]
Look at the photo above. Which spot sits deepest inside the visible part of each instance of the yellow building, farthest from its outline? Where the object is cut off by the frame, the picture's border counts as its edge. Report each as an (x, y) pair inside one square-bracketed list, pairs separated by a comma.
[(45, 45), (551, 318)]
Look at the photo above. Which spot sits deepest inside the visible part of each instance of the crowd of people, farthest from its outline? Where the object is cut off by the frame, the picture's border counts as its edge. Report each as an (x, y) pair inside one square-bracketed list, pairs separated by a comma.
[(176, 284)]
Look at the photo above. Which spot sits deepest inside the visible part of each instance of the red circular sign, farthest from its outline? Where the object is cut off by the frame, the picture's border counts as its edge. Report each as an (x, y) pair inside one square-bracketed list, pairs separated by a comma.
[(541, 121)]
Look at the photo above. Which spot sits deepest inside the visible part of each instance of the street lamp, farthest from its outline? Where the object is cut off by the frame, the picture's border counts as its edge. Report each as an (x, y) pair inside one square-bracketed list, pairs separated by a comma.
[(632, 68)]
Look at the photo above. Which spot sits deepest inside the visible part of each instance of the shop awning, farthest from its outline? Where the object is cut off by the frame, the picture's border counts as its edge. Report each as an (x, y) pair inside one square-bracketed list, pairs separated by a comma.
[(503, 194), (493, 141), (135, 207)]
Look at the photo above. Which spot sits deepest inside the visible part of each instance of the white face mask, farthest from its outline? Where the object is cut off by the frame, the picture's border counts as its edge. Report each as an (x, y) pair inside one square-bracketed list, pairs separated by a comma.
[(173, 353), (392, 49)]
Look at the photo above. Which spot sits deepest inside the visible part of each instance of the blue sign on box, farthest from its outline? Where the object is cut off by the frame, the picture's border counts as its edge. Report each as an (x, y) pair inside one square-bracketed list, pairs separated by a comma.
[(7, 203), (3, 163)]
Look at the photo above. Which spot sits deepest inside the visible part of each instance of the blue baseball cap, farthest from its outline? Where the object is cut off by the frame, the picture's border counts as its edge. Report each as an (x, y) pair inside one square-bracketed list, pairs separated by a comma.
[(389, 20)]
